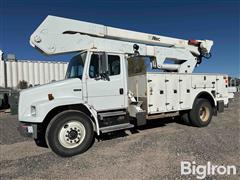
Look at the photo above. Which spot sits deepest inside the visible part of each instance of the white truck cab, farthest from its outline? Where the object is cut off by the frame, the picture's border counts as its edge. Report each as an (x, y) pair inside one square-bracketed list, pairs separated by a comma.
[(119, 79)]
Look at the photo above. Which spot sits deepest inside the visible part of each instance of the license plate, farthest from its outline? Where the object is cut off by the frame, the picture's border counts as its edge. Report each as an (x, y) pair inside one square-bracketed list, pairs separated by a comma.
[(30, 129)]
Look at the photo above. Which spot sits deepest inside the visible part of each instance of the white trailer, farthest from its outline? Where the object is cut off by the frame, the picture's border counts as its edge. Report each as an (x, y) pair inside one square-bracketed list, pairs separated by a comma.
[(32, 71), (118, 79)]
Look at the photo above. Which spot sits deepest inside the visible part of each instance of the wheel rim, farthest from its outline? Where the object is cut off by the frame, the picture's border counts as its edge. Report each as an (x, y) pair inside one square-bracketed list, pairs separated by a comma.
[(71, 134), (204, 113)]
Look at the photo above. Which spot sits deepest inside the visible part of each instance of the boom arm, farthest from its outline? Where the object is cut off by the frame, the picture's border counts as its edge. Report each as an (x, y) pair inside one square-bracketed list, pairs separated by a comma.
[(60, 35)]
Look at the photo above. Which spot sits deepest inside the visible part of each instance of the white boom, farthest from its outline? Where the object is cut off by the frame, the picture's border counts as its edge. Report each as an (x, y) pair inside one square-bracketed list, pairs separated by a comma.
[(61, 35)]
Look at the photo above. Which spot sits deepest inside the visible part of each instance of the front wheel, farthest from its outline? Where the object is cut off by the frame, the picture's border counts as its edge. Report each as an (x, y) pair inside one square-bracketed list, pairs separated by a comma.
[(201, 113), (70, 133)]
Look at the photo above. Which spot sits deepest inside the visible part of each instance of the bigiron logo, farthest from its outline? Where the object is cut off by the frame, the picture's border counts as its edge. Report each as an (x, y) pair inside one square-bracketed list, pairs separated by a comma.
[(201, 171)]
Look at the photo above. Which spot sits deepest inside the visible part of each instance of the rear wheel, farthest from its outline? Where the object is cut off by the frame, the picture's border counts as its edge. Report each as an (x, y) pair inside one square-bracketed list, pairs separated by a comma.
[(70, 133), (201, 113)]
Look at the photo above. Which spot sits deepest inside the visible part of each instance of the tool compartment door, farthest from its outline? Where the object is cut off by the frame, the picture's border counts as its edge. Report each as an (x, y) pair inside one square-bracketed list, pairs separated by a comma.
[(172, 91), (156, 92), (203, 81), (221, 86), (185, 91)]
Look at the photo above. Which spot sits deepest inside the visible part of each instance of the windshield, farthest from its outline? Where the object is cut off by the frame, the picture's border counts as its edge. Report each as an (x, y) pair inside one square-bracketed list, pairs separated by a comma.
[(76, 66)]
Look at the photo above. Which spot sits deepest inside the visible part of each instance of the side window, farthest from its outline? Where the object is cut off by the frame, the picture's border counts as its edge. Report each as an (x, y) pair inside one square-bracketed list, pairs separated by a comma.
[(94, 66), (113, 65)]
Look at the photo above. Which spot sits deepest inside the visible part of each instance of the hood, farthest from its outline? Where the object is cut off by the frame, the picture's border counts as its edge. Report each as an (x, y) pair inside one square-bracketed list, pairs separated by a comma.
[(58, 89)]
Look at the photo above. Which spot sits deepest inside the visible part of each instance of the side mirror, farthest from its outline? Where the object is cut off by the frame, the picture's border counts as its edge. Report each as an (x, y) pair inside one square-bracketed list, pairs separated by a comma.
[(103, 67), (103, 76), (103, 63)]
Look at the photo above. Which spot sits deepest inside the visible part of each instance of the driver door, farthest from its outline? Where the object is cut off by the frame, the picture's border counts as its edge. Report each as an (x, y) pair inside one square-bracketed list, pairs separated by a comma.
[(105, 85)]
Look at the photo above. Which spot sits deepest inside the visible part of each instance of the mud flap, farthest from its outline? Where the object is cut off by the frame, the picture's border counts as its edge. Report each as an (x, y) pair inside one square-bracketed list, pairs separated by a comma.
[(220, 106), (141, 118)]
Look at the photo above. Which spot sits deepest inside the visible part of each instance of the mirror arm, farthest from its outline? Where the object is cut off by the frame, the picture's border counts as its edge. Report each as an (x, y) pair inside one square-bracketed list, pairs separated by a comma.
[(104, 76)]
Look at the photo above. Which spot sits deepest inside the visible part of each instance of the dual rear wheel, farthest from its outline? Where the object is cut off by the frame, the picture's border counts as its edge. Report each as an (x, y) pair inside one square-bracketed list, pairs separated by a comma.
[(200, 115)]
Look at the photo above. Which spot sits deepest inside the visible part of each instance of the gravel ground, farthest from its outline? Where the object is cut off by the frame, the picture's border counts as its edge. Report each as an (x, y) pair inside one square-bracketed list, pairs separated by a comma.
[(152, 152)]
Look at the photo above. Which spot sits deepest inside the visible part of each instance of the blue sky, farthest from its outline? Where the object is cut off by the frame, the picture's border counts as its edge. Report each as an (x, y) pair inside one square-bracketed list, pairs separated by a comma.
[(215, 20)]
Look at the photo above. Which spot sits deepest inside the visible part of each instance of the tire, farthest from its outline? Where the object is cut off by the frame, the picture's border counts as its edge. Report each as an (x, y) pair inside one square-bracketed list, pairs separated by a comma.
[(69, 133), (185, 118), (201, 113)]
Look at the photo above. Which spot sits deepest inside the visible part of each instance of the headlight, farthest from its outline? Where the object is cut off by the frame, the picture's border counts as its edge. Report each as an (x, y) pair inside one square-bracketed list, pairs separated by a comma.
[(33, 110)]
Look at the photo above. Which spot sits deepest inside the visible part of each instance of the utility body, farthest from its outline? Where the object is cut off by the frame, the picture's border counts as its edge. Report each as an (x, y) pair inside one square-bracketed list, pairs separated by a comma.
[(119, 79)]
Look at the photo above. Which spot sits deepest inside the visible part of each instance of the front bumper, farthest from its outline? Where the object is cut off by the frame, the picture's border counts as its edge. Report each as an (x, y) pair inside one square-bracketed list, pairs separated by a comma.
[(28, 130)]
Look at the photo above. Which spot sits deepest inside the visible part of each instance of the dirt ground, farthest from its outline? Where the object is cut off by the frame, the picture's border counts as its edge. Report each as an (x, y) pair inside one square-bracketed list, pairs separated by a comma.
[(152, 152)]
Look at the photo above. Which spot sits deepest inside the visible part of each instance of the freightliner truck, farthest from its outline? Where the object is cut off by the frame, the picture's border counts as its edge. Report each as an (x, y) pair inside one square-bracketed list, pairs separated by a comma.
[(118, 79)]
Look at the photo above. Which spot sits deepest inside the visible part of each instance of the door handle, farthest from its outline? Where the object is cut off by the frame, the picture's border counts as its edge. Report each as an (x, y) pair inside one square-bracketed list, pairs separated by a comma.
[(77, 89), (121, 91)]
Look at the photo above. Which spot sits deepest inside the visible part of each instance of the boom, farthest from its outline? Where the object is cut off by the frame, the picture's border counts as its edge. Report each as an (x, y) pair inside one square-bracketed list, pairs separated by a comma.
[(58, 35)]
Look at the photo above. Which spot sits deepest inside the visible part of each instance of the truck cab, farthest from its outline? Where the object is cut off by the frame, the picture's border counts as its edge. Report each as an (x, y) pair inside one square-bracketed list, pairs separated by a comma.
[(95, 84)]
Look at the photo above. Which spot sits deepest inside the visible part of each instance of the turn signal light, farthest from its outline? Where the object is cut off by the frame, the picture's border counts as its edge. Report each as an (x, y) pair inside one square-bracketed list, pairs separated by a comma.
[(50, 97)]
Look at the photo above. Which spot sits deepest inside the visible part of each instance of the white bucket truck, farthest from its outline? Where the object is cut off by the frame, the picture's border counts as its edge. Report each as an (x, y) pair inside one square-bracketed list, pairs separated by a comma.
[(118, 79)]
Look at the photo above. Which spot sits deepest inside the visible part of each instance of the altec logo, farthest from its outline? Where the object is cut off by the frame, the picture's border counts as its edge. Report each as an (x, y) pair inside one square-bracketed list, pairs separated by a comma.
[(201, 171)]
